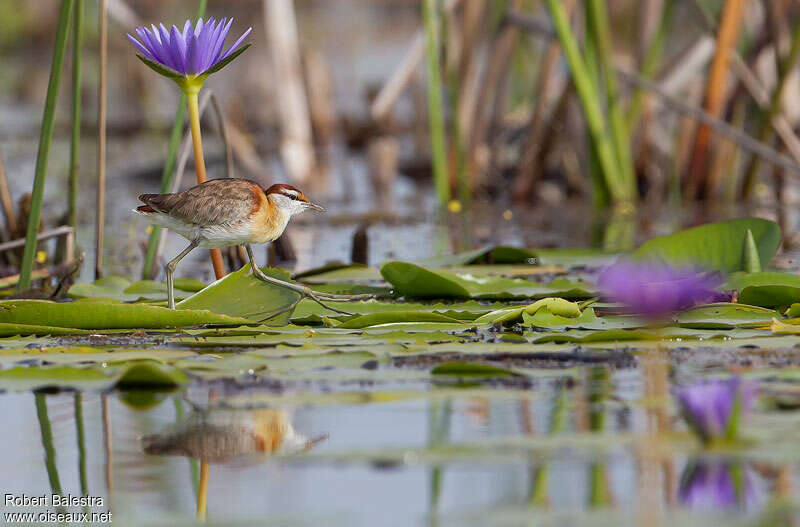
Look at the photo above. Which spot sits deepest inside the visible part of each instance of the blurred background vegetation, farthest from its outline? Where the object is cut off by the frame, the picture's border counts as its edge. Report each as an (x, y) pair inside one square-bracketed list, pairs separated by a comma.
[(565, 116)]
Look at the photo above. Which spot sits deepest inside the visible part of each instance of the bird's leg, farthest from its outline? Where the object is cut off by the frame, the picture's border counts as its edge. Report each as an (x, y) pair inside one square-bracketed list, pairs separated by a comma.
[(303, 291), (169, 269)]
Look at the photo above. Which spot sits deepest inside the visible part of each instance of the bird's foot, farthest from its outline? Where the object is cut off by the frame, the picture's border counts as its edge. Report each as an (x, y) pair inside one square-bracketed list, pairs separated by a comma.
[(321, 298)]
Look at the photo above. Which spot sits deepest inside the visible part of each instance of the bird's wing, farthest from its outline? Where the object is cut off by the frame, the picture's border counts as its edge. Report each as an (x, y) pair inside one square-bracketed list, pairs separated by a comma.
[(215, 202)]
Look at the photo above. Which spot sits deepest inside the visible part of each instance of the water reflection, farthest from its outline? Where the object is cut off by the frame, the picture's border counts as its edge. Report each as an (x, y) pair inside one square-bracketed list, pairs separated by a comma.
[(719, 485), (218, 436), (604, 441)]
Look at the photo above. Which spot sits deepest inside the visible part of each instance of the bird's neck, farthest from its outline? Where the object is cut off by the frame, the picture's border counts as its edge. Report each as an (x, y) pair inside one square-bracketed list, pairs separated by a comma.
[(278, 217)]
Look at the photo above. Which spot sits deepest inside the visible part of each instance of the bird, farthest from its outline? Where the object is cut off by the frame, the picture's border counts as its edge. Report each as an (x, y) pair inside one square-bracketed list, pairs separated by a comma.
[(232, 211)]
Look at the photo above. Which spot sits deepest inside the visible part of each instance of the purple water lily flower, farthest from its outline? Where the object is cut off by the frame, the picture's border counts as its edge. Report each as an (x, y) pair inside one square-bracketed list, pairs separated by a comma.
[(714, 409), (194, 52), (656, 289), (718, 485)]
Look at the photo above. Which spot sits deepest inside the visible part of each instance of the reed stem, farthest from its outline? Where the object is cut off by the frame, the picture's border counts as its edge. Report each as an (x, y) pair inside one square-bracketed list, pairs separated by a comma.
[(765, 131), (47, 444), (200, 165), (650, 61), (430, 16), (81, 435), (592, 109), (597, 13), (74, 146), (101, 143), (46, 135), (716, 85)]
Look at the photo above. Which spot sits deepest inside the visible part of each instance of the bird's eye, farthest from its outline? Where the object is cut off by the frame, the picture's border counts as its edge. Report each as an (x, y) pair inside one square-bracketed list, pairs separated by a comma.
[(292, 196)]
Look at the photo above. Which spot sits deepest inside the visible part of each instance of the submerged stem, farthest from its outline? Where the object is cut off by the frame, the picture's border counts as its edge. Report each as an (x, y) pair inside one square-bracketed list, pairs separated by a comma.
[(200, 165)]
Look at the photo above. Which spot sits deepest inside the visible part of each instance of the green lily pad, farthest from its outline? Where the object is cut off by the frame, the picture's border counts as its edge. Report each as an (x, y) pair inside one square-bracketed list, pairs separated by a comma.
[(568, 257), (240, 294), (767, 289), (393, 317), (545, 319), (106, 315), (121, 289), (726, 316), (512, 315), (309, 312), (413, 281), (715, 246)]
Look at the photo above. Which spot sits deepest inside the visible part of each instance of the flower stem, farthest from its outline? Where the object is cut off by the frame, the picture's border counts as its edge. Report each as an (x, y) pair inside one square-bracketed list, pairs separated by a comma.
[(202, 492), (46, 135), (168, 173), (200, 165)]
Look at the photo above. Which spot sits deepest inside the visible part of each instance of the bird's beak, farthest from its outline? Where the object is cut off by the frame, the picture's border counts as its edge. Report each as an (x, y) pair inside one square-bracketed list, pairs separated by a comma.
[(315, 207)]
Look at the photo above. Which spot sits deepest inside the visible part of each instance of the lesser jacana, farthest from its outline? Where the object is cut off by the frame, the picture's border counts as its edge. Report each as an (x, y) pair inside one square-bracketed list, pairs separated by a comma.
[(231, 211)]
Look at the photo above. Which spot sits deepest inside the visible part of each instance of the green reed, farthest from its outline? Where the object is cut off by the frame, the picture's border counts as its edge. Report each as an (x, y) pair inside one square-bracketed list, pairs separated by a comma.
[(605, 138), (430, 15), (45, 138), (47, 444), (75, 139)]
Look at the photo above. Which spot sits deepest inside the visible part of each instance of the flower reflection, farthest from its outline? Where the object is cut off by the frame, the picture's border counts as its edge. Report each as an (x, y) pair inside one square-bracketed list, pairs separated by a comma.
[(221, 435), (714, 409), (719, 485)]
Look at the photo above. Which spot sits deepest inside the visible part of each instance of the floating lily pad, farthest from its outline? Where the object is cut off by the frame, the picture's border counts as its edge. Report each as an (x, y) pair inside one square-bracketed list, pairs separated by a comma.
[(393, 317), (413, 281), (715, 246), (240, 294), (106, 315), (122, 289), (726, 316), (558, 307), (768, 289)]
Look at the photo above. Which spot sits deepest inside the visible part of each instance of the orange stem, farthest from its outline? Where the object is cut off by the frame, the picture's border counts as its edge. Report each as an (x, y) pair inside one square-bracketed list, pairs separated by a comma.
[(200, 166), (202, 491), (715, 93)]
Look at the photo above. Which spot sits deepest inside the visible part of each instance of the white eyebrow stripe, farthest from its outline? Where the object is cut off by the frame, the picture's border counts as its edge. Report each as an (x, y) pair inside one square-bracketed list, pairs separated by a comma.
[(290, 192)]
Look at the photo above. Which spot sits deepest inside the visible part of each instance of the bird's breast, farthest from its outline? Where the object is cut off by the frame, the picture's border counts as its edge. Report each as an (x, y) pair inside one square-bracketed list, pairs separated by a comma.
[(267, 223)]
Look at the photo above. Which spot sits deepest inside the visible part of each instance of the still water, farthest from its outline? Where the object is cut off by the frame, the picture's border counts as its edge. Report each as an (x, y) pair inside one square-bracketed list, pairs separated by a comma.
[(576, 447)]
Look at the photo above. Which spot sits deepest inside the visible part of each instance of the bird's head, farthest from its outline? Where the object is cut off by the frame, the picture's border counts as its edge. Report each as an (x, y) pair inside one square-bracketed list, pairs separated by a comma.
[(290, 200)]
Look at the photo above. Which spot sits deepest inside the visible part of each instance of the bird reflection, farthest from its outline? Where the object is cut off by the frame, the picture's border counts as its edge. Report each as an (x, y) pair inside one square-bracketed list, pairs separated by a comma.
[(218, 436)]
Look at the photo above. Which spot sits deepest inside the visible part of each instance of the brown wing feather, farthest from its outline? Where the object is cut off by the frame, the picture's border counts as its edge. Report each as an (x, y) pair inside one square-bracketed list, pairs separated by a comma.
[(215, 202)]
